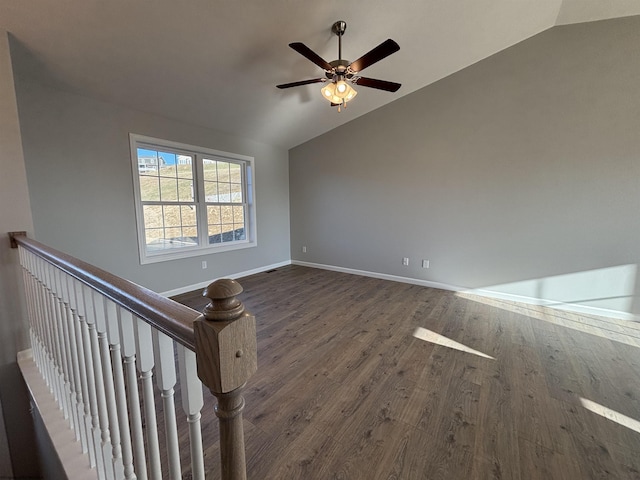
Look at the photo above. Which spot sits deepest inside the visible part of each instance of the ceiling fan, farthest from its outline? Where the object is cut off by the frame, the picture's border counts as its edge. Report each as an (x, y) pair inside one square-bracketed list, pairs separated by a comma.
[(341, 73)]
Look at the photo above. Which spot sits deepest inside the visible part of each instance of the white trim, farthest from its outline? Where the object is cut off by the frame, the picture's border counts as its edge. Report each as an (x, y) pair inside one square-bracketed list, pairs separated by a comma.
[(74, 462), (194, 252), (246, 273), (603, 312), (382, 276), (196, 152), (186, 148), (572, 307)]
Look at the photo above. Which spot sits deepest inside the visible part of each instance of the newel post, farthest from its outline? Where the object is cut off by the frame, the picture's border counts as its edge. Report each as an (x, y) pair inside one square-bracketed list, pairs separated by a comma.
[(226, 355)]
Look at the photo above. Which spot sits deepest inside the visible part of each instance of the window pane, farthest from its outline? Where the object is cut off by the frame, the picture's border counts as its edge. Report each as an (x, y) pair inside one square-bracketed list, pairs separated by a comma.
[(154, 238), (185, 166), (211, 192), (215, 234), (238, 215), (223, 171), (170, 238), (236, 193), (168, 190), (209, 169), (226, 214), (152, 216), (149, 189), (228, 233), (172, 216), (147, 162), (188, 213), (173, 234), (191, 233), (213, 215), (167, 163), (185, 190), (224, 192), (234, 173)]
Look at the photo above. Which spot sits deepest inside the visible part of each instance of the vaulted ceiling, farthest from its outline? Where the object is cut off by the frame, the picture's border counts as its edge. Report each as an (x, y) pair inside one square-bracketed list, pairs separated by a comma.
[(215, 63)]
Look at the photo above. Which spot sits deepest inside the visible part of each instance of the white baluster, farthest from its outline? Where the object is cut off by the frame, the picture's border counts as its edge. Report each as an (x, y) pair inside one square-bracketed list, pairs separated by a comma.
[(113, 332), (50, 306), (46, 331), (79, 371), (49, 324), (166, 379), (94, 370), (71, 375), (144, 347), (127, 340), (54, 320), (192, 402), (86, 370), (57, 307), (46, 369), (33, 308), (35, 314), (111, 448)]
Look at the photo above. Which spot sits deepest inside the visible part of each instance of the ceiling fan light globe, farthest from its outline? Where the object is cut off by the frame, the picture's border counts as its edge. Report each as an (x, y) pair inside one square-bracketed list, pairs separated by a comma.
[(329, 91)]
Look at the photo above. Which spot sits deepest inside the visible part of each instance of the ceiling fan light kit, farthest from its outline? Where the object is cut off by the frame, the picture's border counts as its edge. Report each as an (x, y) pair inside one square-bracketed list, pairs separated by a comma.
[(338, 93), (342, 74)]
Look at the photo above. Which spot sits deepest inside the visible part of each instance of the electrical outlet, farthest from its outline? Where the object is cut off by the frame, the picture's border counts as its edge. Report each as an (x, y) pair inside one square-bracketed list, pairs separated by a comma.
[(304, 249), (425, 263), (204, 264), (405, 261)]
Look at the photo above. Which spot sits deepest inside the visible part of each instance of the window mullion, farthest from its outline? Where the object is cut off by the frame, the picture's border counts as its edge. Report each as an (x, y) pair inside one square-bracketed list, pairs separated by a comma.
[(201, 206)]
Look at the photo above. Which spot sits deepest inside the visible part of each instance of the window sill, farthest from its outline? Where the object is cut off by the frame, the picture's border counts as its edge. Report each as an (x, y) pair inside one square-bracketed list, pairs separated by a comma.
[(194, 252)]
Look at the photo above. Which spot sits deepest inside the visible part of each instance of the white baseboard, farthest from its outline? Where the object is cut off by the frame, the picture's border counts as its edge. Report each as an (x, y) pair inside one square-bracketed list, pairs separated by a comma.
[(602, 312), (246, 273), (572, 307), (382, 276)]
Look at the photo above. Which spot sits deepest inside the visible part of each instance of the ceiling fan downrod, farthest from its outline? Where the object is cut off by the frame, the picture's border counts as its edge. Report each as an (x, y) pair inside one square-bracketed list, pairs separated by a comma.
[(339, 28)]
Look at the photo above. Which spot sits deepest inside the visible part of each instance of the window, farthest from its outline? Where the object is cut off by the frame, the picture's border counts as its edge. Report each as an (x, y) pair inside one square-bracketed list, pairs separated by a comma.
[(190, 200)]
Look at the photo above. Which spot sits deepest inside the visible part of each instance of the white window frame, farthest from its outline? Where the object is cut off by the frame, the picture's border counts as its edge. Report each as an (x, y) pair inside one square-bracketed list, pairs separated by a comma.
[(197, 153)]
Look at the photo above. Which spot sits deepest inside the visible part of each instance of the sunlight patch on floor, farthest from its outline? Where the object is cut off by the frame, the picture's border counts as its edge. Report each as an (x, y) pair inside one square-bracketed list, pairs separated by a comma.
[(612, 415), (433, 337), (623, 331)]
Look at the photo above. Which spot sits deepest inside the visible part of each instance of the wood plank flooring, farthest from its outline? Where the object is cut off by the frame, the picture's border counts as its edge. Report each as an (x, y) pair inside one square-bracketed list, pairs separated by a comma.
[(345, 391)]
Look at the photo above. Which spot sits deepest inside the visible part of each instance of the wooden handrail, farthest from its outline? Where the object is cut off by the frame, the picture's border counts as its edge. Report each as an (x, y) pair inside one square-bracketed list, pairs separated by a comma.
[(171, 318), (223, 339)]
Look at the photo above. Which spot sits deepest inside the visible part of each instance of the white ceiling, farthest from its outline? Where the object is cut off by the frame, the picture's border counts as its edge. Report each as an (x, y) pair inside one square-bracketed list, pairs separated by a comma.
[(215, 63)]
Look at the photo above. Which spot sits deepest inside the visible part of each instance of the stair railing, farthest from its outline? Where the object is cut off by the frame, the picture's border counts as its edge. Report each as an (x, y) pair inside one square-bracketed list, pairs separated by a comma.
[(99, 340)]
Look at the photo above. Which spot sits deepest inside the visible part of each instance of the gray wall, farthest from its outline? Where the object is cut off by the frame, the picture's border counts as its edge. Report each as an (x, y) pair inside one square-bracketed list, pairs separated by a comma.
[(16, 433), (79, 172), (519, 174)]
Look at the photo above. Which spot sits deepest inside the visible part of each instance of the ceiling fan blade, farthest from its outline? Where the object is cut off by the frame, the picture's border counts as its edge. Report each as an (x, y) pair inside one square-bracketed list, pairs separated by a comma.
[(305, 51), (379, 84), (302, 82), (383, 50)]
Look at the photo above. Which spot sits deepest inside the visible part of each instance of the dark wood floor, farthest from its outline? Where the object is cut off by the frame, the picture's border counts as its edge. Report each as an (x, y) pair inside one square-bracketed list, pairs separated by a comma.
[(345, 391)]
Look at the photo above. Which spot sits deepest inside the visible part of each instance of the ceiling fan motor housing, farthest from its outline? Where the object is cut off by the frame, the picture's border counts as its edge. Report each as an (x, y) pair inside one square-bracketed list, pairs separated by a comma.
[(340, 67)]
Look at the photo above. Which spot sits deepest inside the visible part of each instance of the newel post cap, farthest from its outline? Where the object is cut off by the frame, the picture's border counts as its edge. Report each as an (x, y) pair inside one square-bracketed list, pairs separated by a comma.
[(226, 346), (224, 305)]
